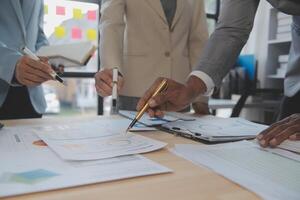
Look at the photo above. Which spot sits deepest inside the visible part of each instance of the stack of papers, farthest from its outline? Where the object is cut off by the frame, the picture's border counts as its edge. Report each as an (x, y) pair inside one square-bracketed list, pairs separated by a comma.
[(268, 175), (97, 140), (216, 129), (28, 165), (293, 146), (289, 149)]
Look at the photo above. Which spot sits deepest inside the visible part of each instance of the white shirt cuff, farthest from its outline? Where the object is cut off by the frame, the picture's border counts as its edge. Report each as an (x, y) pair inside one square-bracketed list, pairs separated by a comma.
[(209, 83)]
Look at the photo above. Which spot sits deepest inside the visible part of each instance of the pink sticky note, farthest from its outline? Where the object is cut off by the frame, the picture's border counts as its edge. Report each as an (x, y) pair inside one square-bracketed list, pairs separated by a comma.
[(91, 15), (76, 33), (60, 10)]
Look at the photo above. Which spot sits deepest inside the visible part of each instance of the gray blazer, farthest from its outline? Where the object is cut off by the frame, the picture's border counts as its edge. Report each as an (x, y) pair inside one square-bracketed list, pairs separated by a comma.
[(232, 32), (20, 26)]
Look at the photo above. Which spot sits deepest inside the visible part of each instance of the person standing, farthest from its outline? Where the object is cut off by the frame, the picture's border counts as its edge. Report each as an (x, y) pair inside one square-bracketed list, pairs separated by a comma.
[(21, 94), (146, 39), (232, 31)]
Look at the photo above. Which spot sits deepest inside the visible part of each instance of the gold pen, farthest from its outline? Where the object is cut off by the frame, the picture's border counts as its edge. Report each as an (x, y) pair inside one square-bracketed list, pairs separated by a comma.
[(162, 86)]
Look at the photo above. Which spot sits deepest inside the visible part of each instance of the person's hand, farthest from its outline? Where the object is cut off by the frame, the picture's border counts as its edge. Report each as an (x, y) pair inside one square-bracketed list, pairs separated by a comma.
[(58, 69), (176, 97), (30, 72), (104, 82), (288, 128), (201, 108)]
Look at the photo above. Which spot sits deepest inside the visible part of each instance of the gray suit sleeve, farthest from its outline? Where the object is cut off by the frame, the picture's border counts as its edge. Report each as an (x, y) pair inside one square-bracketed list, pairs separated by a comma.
[(231, 33)]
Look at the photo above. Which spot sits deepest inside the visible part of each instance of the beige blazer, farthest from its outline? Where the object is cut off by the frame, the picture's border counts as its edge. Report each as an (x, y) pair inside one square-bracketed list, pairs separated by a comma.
[(135, 36)]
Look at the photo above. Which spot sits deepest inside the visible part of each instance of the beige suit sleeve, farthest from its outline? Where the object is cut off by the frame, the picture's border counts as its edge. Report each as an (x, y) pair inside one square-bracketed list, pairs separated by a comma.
[(112, 27), (198, 35)]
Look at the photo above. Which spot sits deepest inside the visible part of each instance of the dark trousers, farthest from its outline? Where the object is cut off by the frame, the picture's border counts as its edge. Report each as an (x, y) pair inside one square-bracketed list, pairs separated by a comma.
[(17, 105), (289, 106)]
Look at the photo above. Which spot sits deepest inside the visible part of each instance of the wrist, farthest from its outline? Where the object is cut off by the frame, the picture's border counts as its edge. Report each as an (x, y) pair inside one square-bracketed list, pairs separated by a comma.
[(195, 86)]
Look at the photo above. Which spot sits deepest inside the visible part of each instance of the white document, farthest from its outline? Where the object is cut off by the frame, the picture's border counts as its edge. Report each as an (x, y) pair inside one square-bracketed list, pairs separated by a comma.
[(149, 121), (293, 146), (97, 140), (268, 175), (27, 166), (213, 128), (138, 127), (289, 149)]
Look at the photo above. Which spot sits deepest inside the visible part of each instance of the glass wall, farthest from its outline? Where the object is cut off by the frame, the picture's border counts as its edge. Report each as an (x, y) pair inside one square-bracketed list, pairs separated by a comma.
[(71, 22), (76, 21), (212, 8)]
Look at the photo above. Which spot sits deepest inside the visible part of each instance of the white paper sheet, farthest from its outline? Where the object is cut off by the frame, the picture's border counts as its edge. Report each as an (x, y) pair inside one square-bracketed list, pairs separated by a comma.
[(213, 128), (268, 175), (97, 140), (145, 119), (289, 145), (28, 166)]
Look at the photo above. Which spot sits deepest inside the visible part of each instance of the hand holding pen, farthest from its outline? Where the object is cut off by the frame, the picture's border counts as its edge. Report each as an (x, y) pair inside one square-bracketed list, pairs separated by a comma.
[(32, 70), (161, 86), (104, 82)]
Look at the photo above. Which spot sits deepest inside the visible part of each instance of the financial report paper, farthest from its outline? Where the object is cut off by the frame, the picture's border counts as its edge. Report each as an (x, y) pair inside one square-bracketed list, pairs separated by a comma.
[(28, 165), (268, 175), (96, 140)]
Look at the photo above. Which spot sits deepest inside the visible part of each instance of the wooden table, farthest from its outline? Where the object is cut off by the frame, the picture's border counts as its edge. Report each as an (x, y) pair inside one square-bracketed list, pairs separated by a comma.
[(188, 181)]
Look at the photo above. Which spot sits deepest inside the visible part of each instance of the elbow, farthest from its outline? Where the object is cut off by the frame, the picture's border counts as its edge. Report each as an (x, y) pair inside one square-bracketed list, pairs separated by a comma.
[(235, 33)]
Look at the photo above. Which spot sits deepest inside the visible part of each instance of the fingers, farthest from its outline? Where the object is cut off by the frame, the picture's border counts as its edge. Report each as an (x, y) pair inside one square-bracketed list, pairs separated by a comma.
[(280, 131), (162, 100), (34, 76), (30, 72), (30, 83), (264, 133), (296, 136), (44, 59), (58, 69), (148, 94), (265, 141), (104, 82), (201, 108), (102, 92), (155, 113), (103, 89), (279, 138), (38, 65)]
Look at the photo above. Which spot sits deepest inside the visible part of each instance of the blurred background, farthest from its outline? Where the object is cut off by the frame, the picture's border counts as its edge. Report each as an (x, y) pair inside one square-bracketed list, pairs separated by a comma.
[(67, 21)]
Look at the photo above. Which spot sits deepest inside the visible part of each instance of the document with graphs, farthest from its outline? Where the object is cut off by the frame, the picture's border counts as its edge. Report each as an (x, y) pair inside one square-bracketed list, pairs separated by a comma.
[(97, 140)]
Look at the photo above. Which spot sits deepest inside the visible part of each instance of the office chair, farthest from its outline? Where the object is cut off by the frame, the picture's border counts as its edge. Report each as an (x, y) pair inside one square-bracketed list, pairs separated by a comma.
[(242, 80)]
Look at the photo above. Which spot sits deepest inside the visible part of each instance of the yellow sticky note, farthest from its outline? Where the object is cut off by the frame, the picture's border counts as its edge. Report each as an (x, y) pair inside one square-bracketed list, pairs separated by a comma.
[(91, 34), (77, 13), (45, 9), (60, 31)]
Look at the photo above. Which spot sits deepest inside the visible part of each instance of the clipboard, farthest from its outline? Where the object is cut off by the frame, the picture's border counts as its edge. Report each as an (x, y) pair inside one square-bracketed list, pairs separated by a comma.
[(213, 129)]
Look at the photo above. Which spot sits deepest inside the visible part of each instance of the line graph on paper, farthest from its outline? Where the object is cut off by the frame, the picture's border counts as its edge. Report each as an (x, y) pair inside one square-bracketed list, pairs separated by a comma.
[(105, 146), (96, 140)]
